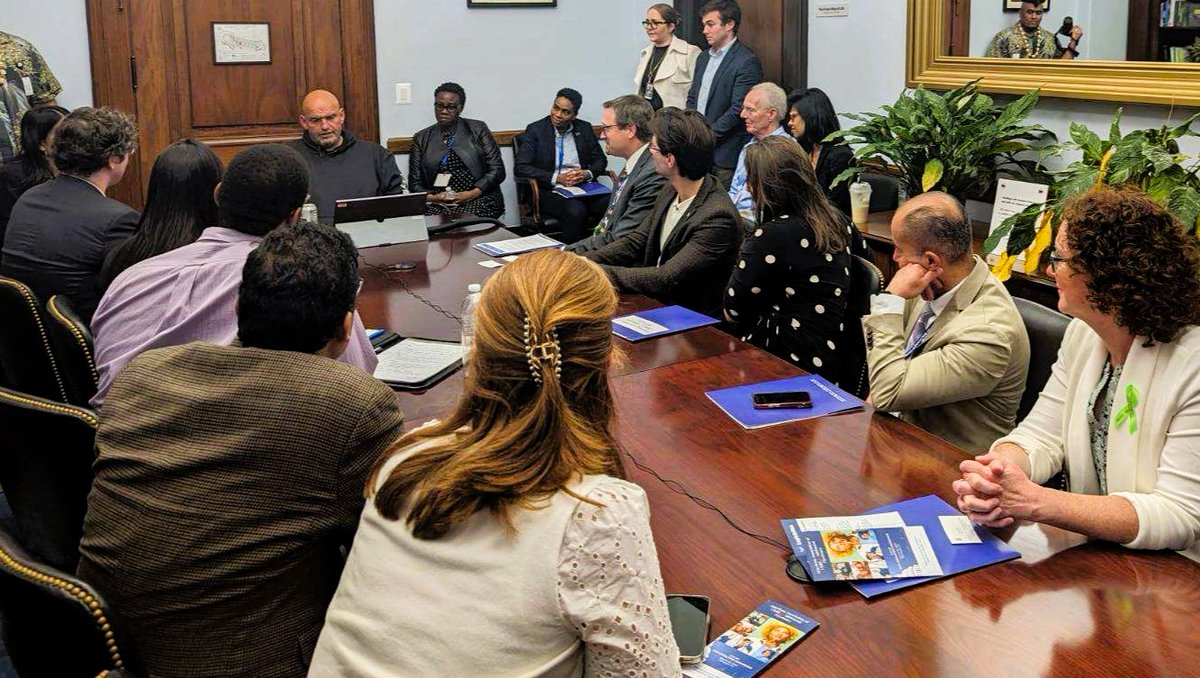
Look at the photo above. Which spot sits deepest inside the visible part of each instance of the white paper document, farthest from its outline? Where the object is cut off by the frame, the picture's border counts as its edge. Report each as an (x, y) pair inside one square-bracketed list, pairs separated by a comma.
[(863, 522), (1012, 197), (502, 248), (959, 530), (413, 361), (491, 263), (639, 325)]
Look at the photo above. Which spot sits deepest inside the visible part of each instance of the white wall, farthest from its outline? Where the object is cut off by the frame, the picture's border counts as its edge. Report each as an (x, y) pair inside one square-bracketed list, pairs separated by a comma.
[(509, 61), (872, 74), (58, 28), (1104, 22)]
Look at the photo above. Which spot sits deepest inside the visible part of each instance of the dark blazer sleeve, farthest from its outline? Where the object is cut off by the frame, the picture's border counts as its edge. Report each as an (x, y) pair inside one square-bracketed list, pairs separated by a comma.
[(747, 75), (714, 234), (120, 229), (837, 159), (629, 250), (494, 172), (642, 198), (391, 180), (524, 165), (416, 160)]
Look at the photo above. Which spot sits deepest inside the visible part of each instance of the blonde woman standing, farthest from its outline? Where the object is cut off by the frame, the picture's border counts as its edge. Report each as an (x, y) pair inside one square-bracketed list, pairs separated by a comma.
[(502, 541), (665, 70)]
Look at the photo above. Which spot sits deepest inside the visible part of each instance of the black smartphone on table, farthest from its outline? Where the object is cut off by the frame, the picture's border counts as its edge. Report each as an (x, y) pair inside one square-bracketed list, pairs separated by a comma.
[(689, 621), (786, 399)]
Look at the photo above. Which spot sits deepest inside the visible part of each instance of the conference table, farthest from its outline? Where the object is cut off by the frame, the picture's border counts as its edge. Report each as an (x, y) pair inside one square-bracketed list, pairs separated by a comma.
[(1067, 607)]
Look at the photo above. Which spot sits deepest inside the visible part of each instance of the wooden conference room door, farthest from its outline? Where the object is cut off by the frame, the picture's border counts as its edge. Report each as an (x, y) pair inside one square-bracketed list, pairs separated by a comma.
[(230, 73)]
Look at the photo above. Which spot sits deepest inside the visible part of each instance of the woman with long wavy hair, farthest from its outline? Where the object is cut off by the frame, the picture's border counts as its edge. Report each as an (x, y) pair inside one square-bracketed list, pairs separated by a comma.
[(179, 206), (502, 540)]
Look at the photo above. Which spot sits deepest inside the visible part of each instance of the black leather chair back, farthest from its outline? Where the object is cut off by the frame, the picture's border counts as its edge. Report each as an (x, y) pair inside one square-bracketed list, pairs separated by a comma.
[(885, 191), (26, 357), (1046, 328), (71, 340), (54, 624), (528, 208), (865, 280), (46, 455)]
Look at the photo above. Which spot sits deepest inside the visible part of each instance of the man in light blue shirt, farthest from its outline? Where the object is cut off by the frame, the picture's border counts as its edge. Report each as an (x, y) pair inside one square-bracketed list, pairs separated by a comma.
[(763, 110)]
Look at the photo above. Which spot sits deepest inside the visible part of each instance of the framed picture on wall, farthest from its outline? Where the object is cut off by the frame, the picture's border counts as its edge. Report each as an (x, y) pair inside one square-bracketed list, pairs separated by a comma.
[(1015, 5), (241, 43), (512, 3)]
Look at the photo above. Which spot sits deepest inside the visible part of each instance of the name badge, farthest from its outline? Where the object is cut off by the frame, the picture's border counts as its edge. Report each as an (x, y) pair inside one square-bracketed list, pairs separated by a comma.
[(442, 180), (27, 83)]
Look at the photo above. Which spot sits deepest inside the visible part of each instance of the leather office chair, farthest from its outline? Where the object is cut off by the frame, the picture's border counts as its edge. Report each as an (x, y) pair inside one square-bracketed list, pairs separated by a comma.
[(1046, 328), (46, 456), (528, 202), (71, 340), (26, 357), (885, 192), (54, 624), (865, 280)]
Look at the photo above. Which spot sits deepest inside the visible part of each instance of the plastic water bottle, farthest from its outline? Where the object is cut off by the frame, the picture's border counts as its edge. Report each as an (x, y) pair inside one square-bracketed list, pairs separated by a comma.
[(468, 320)]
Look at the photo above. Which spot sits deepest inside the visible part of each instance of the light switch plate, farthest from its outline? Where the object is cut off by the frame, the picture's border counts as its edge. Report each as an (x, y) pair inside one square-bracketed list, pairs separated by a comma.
[(404, 93)]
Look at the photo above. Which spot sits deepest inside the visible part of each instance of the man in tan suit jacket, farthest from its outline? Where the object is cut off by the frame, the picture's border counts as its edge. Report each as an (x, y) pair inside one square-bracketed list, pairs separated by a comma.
[(946, 347)]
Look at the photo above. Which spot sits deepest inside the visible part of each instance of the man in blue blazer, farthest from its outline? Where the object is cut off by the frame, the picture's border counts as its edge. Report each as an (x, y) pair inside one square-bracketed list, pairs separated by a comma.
[(562, 150), (725, 72)]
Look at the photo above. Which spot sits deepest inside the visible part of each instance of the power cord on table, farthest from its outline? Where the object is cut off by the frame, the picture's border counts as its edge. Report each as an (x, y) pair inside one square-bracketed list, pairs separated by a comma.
[(678, 488), (399, 280)]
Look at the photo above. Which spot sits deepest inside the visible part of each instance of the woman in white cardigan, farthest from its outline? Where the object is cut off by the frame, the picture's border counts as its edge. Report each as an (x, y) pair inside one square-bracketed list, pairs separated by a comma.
[(502, 541), (665, 69), (1121, 410)]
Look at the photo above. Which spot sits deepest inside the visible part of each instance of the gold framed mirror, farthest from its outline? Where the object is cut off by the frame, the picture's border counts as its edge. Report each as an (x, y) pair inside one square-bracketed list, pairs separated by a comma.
[(935, 25)]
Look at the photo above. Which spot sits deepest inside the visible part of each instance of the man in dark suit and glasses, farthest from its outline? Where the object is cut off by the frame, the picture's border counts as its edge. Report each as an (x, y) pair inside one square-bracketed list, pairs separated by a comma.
[(562, 150), (625, 129), (61, 231), (683, 251), (725, 72)]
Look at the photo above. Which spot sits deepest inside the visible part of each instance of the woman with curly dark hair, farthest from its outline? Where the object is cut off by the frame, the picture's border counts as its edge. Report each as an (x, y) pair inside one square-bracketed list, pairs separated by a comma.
[(1121, 411)]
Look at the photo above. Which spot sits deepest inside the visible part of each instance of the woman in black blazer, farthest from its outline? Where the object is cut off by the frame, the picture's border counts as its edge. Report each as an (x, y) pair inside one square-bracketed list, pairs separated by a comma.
[(456, 161), (810, 119), (791, 280)]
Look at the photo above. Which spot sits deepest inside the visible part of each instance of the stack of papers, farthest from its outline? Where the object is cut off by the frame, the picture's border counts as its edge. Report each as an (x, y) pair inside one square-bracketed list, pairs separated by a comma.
[(502, 248), (659, 321), (417, 363), (753, 643), (738, 401)]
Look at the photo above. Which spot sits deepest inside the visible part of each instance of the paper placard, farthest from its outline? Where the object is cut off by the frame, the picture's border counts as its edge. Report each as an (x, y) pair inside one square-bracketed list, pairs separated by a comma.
[(639, 325), (1012, 197), (959, 530), (491, 263), (828, 9)]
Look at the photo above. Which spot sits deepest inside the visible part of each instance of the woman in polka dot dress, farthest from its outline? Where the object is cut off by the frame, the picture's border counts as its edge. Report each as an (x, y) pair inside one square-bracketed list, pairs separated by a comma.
[(789, 286)]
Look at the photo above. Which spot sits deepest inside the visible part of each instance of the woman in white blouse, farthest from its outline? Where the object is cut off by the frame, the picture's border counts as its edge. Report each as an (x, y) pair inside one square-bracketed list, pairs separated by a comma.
[(1121, 411), (502, 541), (665, 69)]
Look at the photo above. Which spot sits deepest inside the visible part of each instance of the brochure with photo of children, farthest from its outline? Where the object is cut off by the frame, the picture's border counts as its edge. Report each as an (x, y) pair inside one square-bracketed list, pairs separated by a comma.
[(753, 643), (861, 547)]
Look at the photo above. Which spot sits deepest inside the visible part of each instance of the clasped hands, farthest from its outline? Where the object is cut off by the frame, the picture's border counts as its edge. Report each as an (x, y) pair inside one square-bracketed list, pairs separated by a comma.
[(460, 196), (914, 279), (572, 177), (994, 491)]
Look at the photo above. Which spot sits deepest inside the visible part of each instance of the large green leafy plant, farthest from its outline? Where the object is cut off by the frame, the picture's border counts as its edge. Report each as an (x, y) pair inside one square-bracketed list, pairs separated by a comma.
[(954, 142), (1148, 158)]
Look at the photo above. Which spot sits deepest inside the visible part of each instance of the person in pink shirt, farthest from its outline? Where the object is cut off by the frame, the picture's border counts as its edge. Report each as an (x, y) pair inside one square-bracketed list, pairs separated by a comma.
[(190, 294)]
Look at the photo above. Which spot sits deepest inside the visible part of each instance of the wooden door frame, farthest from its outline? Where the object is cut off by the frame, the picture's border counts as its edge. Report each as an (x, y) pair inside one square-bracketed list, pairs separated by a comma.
[(111, 27), (958, 28)]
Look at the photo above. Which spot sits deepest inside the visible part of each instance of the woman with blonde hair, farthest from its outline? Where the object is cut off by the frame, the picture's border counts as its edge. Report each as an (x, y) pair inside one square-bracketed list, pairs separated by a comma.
[(502, 541), (788, 291)]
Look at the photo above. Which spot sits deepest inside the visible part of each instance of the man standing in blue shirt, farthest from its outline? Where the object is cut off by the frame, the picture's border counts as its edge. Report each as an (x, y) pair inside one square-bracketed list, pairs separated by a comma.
[(724, 74)]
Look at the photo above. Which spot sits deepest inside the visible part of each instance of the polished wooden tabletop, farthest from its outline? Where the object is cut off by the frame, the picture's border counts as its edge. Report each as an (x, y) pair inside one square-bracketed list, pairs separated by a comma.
[(1066, 608)]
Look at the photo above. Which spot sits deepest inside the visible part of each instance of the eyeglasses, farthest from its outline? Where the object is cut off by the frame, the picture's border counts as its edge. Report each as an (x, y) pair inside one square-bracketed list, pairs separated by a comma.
[(446, 107), (1056, 259), (615, 124), (651, 23)]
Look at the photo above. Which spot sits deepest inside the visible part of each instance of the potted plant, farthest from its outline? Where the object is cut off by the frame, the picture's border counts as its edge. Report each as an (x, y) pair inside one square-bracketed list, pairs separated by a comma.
[(1149, 159), (956, 142)]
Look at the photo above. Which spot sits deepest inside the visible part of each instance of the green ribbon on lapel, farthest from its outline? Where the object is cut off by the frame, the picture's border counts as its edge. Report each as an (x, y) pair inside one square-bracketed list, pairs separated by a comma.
[(1129, 412)]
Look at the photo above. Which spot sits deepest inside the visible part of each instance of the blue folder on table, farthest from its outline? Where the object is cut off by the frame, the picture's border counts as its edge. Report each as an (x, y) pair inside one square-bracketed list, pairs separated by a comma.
[(587, 188), (827, 399), (658, 322), (954, 558)]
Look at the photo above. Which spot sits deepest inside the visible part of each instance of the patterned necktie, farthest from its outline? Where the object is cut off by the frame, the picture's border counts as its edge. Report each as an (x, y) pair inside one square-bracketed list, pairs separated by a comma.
[(612, 203), (919, 329)]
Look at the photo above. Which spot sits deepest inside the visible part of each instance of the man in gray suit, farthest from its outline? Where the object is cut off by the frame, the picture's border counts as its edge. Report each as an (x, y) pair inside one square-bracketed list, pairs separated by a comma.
[(946, 347), (625, 130)]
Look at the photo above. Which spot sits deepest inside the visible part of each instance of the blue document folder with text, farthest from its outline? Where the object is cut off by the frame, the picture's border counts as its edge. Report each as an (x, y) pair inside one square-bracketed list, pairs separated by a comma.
[(929, 512), (826, 399), (658, 322)]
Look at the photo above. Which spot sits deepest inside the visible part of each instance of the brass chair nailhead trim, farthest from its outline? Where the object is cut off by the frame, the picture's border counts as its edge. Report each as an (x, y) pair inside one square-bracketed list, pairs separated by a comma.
[(7, 561), (62, 318), (70, 410), (32, 301)]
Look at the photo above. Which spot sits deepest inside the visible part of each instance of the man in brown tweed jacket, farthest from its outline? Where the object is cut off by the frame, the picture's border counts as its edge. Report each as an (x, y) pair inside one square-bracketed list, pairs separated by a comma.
[(228, 477), (683, 251)]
